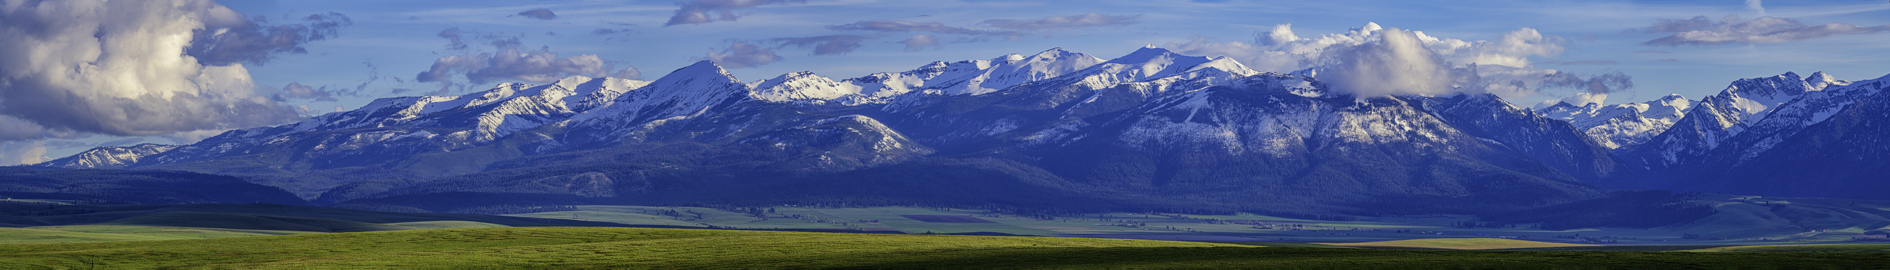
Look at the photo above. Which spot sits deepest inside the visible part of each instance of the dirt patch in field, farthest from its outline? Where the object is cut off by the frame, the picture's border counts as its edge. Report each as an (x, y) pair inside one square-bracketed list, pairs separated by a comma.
[(946, 219)]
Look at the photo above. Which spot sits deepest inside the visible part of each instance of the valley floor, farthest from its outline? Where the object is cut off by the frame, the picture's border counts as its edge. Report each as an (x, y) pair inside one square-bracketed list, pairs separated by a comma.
[(263, 236), (1741, 222)]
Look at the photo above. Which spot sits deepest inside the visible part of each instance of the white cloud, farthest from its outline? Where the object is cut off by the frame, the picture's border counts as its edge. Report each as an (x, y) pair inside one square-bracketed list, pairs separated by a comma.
[(1373, 61), (1395, 63), (699, 11), (225, 40), (510, 63), (628, 73), (122, 67), (919, 42), (743, 55), (1733, 30), (825, 45), (541, 14), (1578, 99), (22, 152), (295, 90)]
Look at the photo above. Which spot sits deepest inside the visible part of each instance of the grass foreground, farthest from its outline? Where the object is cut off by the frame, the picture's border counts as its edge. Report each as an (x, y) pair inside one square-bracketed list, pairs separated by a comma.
[(590, 247), (1459, 244)]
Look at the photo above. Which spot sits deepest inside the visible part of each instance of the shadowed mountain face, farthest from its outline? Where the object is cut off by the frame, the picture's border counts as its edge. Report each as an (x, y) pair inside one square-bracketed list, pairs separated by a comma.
[(1776, 136), (1151, 130), (134, 187)]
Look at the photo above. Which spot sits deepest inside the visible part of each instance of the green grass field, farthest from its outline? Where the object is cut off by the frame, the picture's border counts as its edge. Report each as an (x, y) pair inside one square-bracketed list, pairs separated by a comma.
[(614, 248), (1459, 244), (107, 233)]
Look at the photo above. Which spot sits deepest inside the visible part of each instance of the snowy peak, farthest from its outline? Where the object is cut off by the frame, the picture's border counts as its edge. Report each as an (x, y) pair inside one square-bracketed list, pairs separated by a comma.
[(1015, 69), (701, 72), (698, 89), (1146, 54), (1224, 64), (1820, 80), (1748, 116), (1149, 63), (802, 86), (1568, 112), (1748, 100), (1672, 106), (1621, 125), (703, 78), (108, 157), (969, 77)]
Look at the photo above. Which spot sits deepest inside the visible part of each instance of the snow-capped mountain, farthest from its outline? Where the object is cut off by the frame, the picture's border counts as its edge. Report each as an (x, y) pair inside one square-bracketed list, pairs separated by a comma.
[(1833, 144), (699, 89), (1622, 126), (108, 157), (1552, 142), (1772, 136), (1790, 118), (1152, 128), (1717, 119), (971, 77)]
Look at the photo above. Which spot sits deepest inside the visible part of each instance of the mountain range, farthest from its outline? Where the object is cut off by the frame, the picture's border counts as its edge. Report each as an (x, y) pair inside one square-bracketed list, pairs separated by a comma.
[(1149, 130)]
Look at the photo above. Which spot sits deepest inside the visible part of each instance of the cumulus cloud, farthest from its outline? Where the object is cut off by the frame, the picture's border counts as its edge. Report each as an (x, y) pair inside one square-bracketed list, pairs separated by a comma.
[(508, 61), (1578, 99), (825, 45), (1700, 31), (919, 42), (1395, 63), (743, 55), (511, 63), (454, 39), (135, 68), (1375, 61), (706, 11), (225, 40), (541, 14), (628, 73), (12, 128), (295, 90), (22, 152), (1060, 22), (1598, 84), (906, 26)]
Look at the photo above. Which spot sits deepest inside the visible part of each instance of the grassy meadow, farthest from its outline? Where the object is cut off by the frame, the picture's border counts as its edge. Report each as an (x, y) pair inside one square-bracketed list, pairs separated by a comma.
[(299, 237), (590, 247)]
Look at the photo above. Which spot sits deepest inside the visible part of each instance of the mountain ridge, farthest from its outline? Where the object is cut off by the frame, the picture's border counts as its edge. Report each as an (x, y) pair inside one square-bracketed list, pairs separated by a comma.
[(1151, 129)]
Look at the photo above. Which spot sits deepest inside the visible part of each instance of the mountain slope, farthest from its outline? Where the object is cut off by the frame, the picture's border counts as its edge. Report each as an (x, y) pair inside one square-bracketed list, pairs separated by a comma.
[(135, 187), (108, 157), (1718, 118), (1828, 144)]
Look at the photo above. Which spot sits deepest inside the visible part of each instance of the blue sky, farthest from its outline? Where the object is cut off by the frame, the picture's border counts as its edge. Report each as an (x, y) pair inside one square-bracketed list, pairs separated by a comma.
[(382, 48)]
